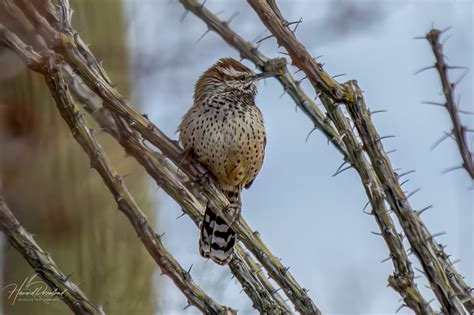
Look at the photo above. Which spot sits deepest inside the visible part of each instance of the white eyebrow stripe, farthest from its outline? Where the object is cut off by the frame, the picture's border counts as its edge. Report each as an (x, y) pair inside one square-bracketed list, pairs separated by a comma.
[(230, 71)]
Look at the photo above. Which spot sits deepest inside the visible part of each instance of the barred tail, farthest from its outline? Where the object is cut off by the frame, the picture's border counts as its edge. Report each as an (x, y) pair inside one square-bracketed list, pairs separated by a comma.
[(217, 237)]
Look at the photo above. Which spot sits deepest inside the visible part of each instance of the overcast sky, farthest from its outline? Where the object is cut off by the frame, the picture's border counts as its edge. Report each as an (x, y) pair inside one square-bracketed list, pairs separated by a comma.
[(309, 218)]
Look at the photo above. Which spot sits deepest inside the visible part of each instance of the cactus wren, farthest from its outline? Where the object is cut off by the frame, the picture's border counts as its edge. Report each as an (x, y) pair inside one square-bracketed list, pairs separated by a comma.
[(223, 130)]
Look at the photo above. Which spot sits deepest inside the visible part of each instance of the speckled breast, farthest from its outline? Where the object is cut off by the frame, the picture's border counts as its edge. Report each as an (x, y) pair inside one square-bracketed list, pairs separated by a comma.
[(228, 139)]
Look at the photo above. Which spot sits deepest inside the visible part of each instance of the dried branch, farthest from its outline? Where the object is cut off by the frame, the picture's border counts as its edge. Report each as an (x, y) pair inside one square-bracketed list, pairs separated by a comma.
[(459, 131), (84, 135), (421, 241), (83, 62), (298, 53), (80, 59), (167, 177), (349, 93), (43, 264), (403, 278), (278, 65), (257, 270), (266, 303), (265, 298)]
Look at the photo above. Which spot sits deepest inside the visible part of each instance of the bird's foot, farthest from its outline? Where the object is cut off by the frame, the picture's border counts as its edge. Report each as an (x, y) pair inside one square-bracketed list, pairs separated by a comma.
[(233, 212), (187, 158), (188, 161)]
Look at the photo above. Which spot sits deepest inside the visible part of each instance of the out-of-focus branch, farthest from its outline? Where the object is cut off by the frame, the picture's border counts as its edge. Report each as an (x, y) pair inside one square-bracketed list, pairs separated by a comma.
[(182, 190), (79, 57), (217, 202), (152, 242), (403, 279), (349, 94), (43, 264), (84, 135), (278, 65), (265, 298), (459, 131)]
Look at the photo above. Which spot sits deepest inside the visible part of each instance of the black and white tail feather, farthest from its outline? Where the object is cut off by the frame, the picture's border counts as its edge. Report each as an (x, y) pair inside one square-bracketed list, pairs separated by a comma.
[(217, 237)]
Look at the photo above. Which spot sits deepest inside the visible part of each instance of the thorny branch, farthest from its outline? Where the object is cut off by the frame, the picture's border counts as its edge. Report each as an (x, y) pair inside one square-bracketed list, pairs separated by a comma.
[(43, 264), (349, 146), (265, 298), (167, 177), (125, 201), (79, 57), (450, 292), (380, 181), (152, 241), (181, 189), (459, 130), (447, 284), (49, 66), (277, 65)]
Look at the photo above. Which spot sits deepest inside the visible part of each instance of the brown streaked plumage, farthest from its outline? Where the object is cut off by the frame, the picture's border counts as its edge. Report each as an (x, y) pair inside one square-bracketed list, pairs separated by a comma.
[(224, 131)]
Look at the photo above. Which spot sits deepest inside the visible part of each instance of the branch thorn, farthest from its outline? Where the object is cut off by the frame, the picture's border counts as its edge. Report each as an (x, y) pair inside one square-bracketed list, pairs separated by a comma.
[(184, 15), (232, 17), (265, 38), (420, 212), (406, 173), (309, 134), (413, 192), (202, 36), (378, 111), (454, 168), (339, 75), (424, 69), (404, 182), (340, 171), (440, 140)]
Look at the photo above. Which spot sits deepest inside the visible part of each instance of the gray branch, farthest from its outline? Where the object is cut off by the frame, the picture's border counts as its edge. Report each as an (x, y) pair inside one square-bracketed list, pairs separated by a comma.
[(459, 131), (426, 250)]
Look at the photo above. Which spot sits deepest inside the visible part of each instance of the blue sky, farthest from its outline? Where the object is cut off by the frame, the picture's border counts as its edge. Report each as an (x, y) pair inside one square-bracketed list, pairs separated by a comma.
[(309, 218)]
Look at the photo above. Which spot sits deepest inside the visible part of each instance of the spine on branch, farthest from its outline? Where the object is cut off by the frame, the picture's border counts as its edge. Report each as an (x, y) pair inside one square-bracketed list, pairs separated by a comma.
[(349, 94), (265, 298), (459, 131), (79, 59)]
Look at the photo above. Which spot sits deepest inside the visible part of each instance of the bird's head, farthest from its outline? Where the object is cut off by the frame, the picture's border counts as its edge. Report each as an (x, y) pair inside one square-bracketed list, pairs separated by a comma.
[(226, 75)]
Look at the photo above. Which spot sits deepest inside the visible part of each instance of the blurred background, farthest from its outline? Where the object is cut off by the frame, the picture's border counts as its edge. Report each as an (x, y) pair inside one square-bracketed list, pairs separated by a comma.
[(151, 50)]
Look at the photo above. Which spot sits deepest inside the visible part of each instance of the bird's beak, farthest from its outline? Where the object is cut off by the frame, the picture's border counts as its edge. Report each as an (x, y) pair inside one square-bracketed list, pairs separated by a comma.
[(264, 75)]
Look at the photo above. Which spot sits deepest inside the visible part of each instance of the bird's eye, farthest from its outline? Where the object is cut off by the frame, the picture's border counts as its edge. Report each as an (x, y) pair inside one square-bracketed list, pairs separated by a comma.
[(241, 77)]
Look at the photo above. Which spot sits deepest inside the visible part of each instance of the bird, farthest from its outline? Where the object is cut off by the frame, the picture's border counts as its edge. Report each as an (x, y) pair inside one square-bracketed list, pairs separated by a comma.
[(224, 131)]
